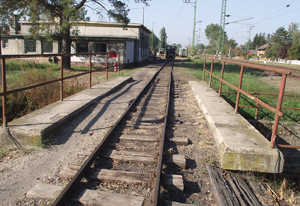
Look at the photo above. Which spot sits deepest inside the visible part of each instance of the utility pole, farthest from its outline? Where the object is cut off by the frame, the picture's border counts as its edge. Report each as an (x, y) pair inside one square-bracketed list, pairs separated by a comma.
[(143, 15), (249, 39), (222, 27), (195, 8), (194, 4)]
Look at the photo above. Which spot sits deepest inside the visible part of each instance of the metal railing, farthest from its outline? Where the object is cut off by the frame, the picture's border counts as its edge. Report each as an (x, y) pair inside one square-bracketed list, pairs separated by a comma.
[(61, 79), (239, 91)]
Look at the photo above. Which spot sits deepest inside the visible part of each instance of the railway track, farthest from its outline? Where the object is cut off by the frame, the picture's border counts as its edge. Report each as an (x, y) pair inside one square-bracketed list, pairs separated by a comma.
[(125, 168)]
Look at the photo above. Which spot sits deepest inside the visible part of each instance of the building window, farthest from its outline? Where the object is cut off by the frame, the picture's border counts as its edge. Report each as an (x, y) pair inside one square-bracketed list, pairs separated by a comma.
[(47, 46), (100, 47), (82, 47), (5, 43), (29, 45)]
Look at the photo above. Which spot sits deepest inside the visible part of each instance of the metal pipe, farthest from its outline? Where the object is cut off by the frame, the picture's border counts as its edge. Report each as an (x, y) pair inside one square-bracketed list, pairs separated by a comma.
[(251, 97), (203, 78), (256, 111), (211, 70), (222, 74), (279, 103), (239, 93), (3, 79), (61, 79), (90, 71), (257, 66), (106, 66)]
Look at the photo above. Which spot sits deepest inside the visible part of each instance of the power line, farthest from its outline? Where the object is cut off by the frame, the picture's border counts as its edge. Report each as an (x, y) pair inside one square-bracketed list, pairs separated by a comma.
[(177, 15)]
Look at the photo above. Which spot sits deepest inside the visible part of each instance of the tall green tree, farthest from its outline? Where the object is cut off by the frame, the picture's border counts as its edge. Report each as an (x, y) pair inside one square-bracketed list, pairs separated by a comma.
[(212, 32), (61, 13), (258, 40), (294, 50), (279, 38), (163, 37), (229, 45), (154, 41), (293, 28)]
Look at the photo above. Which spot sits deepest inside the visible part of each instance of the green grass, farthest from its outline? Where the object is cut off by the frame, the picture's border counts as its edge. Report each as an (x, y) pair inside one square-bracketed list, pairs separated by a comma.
[(252, 82)]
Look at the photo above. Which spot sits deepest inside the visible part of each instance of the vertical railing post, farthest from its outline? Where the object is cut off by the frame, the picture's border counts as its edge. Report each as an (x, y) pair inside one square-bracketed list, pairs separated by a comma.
[(61, 79), (279, 103), (3, 79), (90, 70), (106, 66), (203, 79), (238, 92), (118, 63), (256, 112), (211, 70), (222, 74)]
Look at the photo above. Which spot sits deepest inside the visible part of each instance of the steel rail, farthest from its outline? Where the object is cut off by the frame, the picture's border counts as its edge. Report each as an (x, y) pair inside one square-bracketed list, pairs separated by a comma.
[(156, 190), (65, 194)]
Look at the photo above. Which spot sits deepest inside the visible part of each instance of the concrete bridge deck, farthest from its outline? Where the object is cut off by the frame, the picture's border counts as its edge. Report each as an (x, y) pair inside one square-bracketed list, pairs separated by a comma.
[(240, 145)]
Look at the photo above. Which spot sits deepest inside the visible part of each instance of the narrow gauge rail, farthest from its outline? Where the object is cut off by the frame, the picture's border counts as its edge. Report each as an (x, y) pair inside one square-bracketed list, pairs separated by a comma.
[(125, 168)]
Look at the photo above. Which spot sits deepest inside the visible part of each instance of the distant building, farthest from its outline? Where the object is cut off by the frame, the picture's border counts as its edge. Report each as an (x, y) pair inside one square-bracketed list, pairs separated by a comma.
[(262, 49), (131, 42), (252, 52)]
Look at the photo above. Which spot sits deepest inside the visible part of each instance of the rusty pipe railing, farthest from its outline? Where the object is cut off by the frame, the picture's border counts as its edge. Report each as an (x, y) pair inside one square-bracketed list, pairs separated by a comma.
[(276, 111), (5, 92)]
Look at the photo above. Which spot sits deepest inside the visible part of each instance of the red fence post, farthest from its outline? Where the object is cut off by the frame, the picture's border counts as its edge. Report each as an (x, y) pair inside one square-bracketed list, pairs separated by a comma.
[(61, 79), (211, 70), (222, 74), (279, 103), (106, 65), (118, 64), (90, 70), (3, 79), (256, 112), (238, 92), (203, 79)]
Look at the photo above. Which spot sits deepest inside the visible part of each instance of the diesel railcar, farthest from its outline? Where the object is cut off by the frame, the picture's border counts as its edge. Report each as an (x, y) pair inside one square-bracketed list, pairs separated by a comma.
[(183, 52)]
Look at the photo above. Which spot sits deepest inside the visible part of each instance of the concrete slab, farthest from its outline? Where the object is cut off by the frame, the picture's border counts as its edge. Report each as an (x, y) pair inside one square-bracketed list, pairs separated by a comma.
[(31, 128), (240, 145), (44, 191)]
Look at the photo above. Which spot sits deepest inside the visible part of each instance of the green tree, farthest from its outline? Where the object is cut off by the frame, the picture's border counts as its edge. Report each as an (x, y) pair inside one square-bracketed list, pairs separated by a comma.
[(258, 40), (163, 37), (293, 27), (280, 38), (212, 32), (153, 40), (294, 50), (62, 13), (229, 45)]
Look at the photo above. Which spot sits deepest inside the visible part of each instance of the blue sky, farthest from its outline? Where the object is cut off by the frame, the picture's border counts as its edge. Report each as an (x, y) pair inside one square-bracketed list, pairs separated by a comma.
[(177, 17)]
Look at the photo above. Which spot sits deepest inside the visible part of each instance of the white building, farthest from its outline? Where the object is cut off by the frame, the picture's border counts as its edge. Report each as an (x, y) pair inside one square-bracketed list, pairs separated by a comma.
[(131, 42)]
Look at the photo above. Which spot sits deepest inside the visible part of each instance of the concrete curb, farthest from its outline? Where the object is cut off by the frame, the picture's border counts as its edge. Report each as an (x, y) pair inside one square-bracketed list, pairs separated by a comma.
[(32, 128), (240, 145)]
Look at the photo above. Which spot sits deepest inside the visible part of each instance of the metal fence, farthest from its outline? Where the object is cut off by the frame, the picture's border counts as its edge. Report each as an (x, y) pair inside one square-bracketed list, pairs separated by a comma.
[(260, 103), (61, 79)]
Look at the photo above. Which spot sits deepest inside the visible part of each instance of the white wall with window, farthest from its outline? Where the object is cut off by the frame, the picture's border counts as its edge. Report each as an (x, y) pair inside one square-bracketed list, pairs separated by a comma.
[(129, 52)]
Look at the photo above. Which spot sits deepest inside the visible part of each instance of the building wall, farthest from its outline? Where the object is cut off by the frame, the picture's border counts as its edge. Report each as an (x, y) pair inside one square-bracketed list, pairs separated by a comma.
[(129, 54), (14, 46), (114, 35)]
